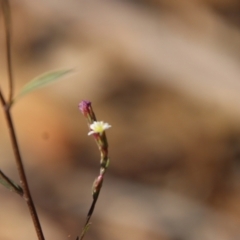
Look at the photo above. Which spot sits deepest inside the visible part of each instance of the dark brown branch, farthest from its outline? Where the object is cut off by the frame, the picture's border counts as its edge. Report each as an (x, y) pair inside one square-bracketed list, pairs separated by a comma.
[(2, 99), (14, 187), (24, 183), (7, 107), (8, 29)]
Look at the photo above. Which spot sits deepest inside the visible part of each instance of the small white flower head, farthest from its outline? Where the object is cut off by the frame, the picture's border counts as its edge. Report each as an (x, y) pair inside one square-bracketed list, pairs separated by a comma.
[(98, 127)]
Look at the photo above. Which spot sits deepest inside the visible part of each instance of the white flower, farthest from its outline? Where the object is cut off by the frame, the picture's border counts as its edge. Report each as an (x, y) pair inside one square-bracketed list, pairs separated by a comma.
[(98, 127)]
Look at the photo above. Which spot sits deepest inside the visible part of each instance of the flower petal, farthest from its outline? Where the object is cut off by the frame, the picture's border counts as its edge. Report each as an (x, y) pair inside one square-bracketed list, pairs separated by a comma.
[(98, 127)]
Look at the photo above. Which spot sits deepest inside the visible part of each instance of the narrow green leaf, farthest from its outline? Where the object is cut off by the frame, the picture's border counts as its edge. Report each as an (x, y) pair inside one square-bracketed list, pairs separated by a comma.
[(41, 81), (9, 184)]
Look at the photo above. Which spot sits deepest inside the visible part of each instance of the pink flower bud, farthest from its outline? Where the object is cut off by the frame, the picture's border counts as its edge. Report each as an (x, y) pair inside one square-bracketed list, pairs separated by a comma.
[(85, 107)]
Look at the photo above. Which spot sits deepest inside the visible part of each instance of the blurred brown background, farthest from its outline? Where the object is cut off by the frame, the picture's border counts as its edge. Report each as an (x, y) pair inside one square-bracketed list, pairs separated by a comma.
[(166, 75)]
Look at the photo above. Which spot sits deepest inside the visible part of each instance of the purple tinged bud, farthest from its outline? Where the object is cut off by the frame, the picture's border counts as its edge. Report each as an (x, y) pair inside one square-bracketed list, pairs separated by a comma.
[(97, 185), (85, 107)]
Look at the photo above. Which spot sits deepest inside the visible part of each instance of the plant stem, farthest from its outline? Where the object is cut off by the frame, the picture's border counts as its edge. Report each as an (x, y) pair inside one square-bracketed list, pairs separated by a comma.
[(23, 179), (11, 185), (8, 29), (7, 107), (2, 99)]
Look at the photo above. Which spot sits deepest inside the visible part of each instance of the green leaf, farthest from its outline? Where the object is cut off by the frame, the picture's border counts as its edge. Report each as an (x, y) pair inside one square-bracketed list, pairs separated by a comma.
[(9, 184), (41, 81)]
